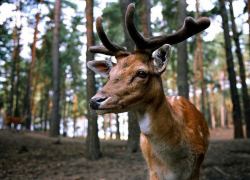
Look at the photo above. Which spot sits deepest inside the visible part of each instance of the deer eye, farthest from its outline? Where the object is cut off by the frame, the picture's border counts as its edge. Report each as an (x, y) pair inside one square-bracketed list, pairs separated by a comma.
[(142, 74)]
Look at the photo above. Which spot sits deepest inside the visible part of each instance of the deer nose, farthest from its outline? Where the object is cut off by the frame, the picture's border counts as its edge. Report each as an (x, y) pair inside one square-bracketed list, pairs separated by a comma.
[(96, 102)]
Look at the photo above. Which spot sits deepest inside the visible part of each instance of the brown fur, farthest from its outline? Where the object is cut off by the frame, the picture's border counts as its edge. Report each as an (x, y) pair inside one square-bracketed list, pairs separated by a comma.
[(175, 136), (14, 120)]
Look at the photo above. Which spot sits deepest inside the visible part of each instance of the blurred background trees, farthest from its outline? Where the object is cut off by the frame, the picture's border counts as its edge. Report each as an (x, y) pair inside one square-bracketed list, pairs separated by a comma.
[(211, 69)]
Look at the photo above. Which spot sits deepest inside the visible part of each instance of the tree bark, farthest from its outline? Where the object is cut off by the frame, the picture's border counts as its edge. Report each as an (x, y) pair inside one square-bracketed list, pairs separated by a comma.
[(37, 77), (182, 68), (29, 87), (213, 121), (134, 134), (146, 18), (223, 109), (92, 142), (55, 117), (118, 134), (199, 49), (237, 118), (248, 10), (13, 71), (133, 139), (245, 96), (47, 108), (64, 106), (74, 113), (195, 78), (17, 108)]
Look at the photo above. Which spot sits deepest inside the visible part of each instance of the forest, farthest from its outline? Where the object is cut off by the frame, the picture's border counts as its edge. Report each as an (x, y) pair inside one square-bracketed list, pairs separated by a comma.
[(46, 86)]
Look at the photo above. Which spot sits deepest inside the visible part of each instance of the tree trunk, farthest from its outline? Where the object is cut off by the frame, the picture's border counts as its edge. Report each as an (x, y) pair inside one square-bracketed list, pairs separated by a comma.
[(248, 9), (41, 108), (182, 68), (74, 113), (29, 87), (118, 134), (110, 125), (13, 70), (213, 122), (134, 130), (105, 125), (195, 78), (46, 97), (237, 118), (133, 139), (64, 106), (37, 77), (17, 108), (223, 101), (93, 144), (55, 117), (199, 49), (245, 96), (146, 18)]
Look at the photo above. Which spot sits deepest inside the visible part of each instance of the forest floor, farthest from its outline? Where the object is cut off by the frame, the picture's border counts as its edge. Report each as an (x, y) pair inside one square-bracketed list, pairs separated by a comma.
[(29, 156)]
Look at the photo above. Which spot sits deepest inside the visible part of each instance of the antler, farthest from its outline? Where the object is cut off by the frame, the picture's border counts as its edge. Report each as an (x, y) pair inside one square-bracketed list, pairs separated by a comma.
[(109, 47), (190, 28)]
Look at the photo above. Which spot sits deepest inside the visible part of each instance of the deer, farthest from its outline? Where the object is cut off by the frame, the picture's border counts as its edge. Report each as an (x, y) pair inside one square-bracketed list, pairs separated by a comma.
[(174, 134), (15, 120)]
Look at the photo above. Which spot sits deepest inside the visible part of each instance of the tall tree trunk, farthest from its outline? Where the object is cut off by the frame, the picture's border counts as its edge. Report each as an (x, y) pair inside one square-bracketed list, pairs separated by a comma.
[(133, 139), (199, 49), (248, 9), (195, 78), (245, 96), (105, 125), (13, 71), (46, 96), (74, 113), (92, 142), (134, 130), (237, 118), (17, 109), (118, 134), (146, 18), (223, 101), (55, 117), (41, 107), (37, 77), (213, 122), (64, 106), (110, 125), (29, 87), (182, 68)]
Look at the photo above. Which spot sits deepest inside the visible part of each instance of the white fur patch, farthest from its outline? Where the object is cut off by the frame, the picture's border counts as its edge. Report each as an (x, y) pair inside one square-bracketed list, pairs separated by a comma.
[(144, 123)]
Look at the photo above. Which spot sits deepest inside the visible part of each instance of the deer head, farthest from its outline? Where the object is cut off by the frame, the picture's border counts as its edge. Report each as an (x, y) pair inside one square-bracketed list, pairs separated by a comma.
[(135, 79)]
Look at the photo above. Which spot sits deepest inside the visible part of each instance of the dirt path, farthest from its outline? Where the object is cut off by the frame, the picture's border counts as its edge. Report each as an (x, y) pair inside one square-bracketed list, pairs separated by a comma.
[(28, 156)]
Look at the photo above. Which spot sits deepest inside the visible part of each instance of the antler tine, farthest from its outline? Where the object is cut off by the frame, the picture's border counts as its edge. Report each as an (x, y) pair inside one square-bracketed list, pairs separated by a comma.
[(100, 49), (109, 47), (190, 28)]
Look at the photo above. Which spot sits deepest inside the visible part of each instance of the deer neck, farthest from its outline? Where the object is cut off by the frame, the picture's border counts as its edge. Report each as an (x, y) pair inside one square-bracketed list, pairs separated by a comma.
[(159, 121)]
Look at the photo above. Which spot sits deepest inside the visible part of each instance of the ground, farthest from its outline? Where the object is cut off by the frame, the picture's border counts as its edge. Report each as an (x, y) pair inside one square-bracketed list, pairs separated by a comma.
[(29, 156)]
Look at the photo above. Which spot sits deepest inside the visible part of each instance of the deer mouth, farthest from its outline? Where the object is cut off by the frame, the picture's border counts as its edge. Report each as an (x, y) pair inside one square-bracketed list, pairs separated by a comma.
[(104, 105)]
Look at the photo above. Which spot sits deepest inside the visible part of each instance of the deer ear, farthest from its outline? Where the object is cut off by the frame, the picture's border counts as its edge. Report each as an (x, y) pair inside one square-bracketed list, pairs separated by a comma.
[(101, 67), (161, 58)]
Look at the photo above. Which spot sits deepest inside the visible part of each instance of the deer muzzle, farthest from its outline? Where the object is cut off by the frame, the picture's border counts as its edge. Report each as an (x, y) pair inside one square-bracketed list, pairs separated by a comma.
[(95, 103)]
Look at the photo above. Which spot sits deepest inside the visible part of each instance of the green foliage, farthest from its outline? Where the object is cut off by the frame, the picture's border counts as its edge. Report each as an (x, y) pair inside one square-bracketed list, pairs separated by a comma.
[(113, 24)]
